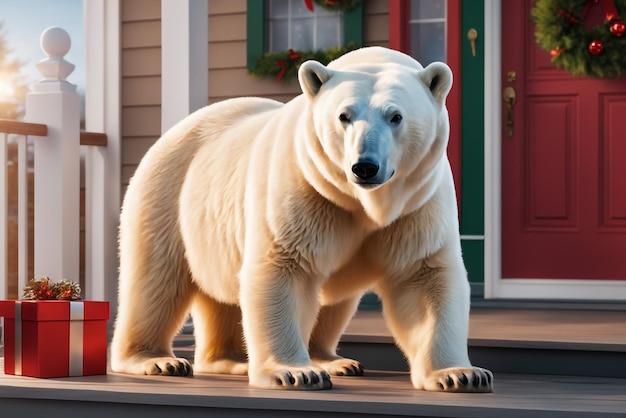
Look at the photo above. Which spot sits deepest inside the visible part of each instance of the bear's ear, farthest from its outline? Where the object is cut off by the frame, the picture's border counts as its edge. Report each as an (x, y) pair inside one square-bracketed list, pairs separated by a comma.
[(438, 78), (312, 75)]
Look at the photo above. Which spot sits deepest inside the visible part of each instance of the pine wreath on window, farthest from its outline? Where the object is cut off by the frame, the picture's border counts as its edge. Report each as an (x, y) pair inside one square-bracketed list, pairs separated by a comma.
[(334, 5), (283, 65), (560, 30)]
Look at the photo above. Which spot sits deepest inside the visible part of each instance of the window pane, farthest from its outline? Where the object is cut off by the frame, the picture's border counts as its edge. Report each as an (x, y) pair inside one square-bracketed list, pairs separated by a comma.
[(328, 32), (278, 8), (428, 9), (298, 9), (279, 36), (302, 34), (428, 42), (292, 25)]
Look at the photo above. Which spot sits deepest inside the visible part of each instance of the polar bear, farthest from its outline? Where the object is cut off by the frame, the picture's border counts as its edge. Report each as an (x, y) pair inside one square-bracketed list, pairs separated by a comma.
[(269, 221)]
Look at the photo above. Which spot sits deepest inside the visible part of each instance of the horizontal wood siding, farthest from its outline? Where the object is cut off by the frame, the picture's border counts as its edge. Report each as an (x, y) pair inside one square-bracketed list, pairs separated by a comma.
[(376, 23), (141, 81)]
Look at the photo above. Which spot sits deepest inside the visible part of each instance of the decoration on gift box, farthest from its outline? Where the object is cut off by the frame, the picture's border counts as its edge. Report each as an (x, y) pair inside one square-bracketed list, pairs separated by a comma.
[(333, 5), (284, 65), (598, 52), (46, 289)]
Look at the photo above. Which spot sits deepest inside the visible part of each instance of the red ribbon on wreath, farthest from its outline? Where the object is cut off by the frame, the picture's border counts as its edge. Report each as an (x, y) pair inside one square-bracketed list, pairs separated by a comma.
[(293, 55), (616, 25)]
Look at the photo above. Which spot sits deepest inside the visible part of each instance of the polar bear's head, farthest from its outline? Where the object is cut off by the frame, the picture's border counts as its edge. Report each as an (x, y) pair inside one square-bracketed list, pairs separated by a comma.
[(377, 116)]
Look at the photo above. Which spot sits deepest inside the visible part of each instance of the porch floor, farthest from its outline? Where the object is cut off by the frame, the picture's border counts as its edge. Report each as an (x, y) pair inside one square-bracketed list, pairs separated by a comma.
[(379, 393)]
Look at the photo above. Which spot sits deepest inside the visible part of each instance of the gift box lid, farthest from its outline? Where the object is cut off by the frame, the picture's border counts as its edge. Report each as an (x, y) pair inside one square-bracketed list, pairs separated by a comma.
[(54, 310)]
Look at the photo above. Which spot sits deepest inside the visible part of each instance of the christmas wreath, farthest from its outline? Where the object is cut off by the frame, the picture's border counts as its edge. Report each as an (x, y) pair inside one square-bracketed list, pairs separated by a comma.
[(560, 29), (333, 5), (284, 65)]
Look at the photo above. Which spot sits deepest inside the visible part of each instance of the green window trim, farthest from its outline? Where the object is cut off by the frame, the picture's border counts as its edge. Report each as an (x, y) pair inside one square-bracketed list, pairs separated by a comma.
[(352, 29)]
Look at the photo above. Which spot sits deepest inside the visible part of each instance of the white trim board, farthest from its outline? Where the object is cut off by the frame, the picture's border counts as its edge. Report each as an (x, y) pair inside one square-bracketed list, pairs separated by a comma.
[(495, 285), (184, 59), (101, 19)]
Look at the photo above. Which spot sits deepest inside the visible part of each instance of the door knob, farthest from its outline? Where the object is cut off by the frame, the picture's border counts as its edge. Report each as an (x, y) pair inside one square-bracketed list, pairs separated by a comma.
[(509, 96)]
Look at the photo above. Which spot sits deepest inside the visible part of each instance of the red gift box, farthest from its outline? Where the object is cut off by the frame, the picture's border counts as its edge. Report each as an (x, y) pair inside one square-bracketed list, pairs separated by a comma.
[(54, 338)]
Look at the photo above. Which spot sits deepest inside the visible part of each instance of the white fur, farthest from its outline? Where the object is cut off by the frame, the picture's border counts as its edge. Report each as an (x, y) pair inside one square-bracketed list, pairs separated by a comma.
[(248, 212)]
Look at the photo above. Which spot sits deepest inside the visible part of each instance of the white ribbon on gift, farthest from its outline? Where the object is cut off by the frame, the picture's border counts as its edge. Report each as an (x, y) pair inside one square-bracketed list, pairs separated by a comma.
[(18, 338), (77, 316)]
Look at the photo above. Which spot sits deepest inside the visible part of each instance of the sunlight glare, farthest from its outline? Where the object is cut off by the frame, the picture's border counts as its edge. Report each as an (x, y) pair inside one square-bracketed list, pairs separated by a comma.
[(6, 90)]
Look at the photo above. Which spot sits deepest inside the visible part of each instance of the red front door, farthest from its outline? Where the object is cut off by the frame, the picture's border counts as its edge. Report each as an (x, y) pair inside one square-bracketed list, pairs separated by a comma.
[(563, 166)]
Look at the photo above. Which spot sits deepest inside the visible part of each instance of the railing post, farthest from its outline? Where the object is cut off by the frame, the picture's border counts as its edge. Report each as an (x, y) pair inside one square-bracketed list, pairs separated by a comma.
[(54, 102)]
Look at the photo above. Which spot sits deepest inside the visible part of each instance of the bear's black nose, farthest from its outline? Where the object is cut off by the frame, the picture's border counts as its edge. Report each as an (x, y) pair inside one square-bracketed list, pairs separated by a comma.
[(365, 170)]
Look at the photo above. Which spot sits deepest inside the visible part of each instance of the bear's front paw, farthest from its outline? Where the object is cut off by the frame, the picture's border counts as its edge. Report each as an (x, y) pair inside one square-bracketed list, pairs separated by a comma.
[(168, 366), (460, 379), (292, 378), (151, 364)]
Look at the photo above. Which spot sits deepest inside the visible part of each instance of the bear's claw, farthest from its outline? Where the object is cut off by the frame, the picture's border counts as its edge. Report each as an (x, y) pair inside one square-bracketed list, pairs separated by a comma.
[(340, 366), (463, 380), (297, 378), (303, 380), (169, 367)]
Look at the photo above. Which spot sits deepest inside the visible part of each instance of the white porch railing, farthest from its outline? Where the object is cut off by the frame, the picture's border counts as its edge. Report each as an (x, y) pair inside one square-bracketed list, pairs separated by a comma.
[(53, 115)]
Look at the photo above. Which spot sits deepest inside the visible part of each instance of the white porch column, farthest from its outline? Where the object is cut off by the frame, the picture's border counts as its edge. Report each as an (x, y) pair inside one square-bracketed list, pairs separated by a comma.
[(184, 59), (102, 164), (54, 102)]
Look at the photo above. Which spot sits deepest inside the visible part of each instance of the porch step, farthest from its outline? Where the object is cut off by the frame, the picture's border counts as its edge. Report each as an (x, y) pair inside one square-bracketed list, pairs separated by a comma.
[(574, 342)]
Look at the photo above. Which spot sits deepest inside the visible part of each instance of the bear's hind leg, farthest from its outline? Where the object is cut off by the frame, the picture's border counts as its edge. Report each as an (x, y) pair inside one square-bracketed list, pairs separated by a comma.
[(331, 322), (219, 337), (153, 303)]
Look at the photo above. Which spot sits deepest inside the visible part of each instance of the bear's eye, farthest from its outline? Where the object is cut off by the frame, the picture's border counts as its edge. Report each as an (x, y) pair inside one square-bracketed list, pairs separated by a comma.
[(344, 118), (395, 119)]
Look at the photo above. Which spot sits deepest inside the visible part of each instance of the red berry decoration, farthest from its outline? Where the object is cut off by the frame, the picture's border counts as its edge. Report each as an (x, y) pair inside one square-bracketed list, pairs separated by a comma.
[(596, 47), (617, 28), (556, 52)]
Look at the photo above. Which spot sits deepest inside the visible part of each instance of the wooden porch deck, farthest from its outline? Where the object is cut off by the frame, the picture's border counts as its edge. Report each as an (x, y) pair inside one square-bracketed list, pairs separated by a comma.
[(379, 393)]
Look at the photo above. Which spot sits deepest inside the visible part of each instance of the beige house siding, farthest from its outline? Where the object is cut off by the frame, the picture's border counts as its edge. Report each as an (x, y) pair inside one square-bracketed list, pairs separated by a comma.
[(228, 74), (376, 23), (141, 80)]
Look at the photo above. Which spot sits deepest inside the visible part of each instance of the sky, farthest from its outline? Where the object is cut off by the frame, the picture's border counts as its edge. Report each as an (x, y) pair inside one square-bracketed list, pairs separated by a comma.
[(25, 20)]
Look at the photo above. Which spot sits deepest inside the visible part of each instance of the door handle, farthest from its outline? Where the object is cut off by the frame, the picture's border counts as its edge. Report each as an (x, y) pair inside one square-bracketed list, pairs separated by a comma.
[(472, 35), (509, 95)]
